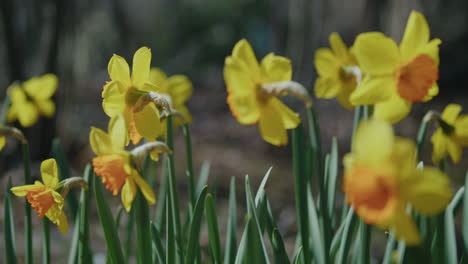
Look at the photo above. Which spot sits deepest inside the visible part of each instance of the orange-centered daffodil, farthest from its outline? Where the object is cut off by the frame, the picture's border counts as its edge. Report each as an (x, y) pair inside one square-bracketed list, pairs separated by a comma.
[(32, 99), (44, 197), (451, 136), (177, 87), (335, 68), (115, 165), (121, 94), (248, 98), (381, 180), (396, 77)]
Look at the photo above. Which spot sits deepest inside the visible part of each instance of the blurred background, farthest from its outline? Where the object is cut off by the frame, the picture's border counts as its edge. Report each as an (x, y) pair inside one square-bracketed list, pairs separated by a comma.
[(75, 40)]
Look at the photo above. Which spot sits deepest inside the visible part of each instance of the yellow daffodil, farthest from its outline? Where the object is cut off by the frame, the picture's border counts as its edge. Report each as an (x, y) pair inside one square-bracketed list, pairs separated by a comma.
[(44, 197), (115, 165), (451, 136), (177, 87), (335, 69), (248, 98), (396, 77), (381, 180), (32, 99), (121, 94)]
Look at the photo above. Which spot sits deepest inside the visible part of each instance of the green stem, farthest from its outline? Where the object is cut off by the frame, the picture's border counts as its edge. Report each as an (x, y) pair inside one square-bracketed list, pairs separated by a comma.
[(191, 180), (46, 242), (83, 241), (27, 207), (128, 239), (365, 236), (368, 112), (143, 230)]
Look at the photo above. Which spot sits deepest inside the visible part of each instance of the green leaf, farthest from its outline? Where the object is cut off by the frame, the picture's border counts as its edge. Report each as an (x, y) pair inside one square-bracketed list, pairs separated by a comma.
[(189, 171), (108, 225), (129, 233), (364, 237), (9, 227), (465, 216), (170, 238), (27, 208), (118, 217), (336, 241), (83, 249), (160, 213), (73, 255), (316, 238), (203, 176), (332, 175), (156, 237), (389, 249), (195, 225), (450, 237), (298, 258), (142, 222), (45, 241), (346, 237), (213, 232), (231, 240)]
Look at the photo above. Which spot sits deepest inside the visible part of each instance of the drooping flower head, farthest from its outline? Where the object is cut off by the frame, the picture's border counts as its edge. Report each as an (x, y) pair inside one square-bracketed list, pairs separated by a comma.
[(32, 99), (451, 136), (122, 93), (396, 77), (177, 87), (335, 68), (44, 197), (253, 89), (381, 180), (115, 165)]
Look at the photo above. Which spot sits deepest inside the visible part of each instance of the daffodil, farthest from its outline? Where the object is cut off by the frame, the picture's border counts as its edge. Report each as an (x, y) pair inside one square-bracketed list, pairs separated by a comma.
[(451, 136), (177, 87), (32, 99), (115, 165), (44, 197), (336, 69), (123, 92), (396, 77), (382, 181), (253, 89)]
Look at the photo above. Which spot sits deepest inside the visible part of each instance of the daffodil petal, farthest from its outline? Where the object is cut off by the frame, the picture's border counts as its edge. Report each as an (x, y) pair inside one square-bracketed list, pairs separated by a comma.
[(144, 187), (128, 194), (368, 145), (405, 229), (179, 88), (454, 150), (429, 192), (373, 90), (327, 87), (114, 100), (451, 113), (159, 79), (23, 190), (271, 126), (461, 129), (27, 114), (345, 93), (100, 142), (290, 119), (392, 110), (46, 107), (416, 35), (338, 46), (276, 68), (376, 53), (2, 142), (49, 173), (118, 132), (118, 70), (432, 49), (185, 113), (243, 51), (62, 223), (433, 91), (439, 144), (237, 78), (41, 88), (141, 66), (147, 122), (244, 108), (325, 62)]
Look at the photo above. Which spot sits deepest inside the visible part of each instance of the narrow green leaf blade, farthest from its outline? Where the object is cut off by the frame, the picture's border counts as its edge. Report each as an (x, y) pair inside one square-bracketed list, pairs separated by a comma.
[(8, 227), (465, 216), (195, 225), (156, 237), (231, 240), (449, 236), (332, 179), (213, 231), (83, 244)]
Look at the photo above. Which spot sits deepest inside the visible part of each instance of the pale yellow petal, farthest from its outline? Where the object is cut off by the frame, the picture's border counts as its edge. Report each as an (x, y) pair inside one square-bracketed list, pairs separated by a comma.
[(416, 35), (271, 127), (100, 142), (433, 91), (392, 110), (325, 63), (290, 118), (2, 142), (128, 194), (141, 66), (46, 107), (147, 122), (49, 173), (159, 79), (276, 68), (373, 142), (454, 150), (338, 46), (405, 229), (243, 51), (238, 79), (244, 108), (62, 223), (114, 99), (439, 144), (451, 113), (23, 190), (117, 129), (373, 90), (144, 187), (461, 129), (376, 53), (432, 49), (42, 87), (327, 87), (27, 114), (118, 70), (179, 88)]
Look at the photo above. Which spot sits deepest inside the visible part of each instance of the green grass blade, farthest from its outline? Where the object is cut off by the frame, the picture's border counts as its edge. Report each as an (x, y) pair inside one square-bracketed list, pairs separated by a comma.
[(156, 237), (316, 239), (449, 236), (142, 222), (300, 190), (242, 249), (332, 176), (83, 244), (465, 216), (189, 172), (9, 227), (336, 241), (45, 241), (203, 176), (213, 231), (231, 240), (347, 237), (298, 258), (389, 249), (108, 225), (27, 207), (73, 255), (195, 225), (279, 250)]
